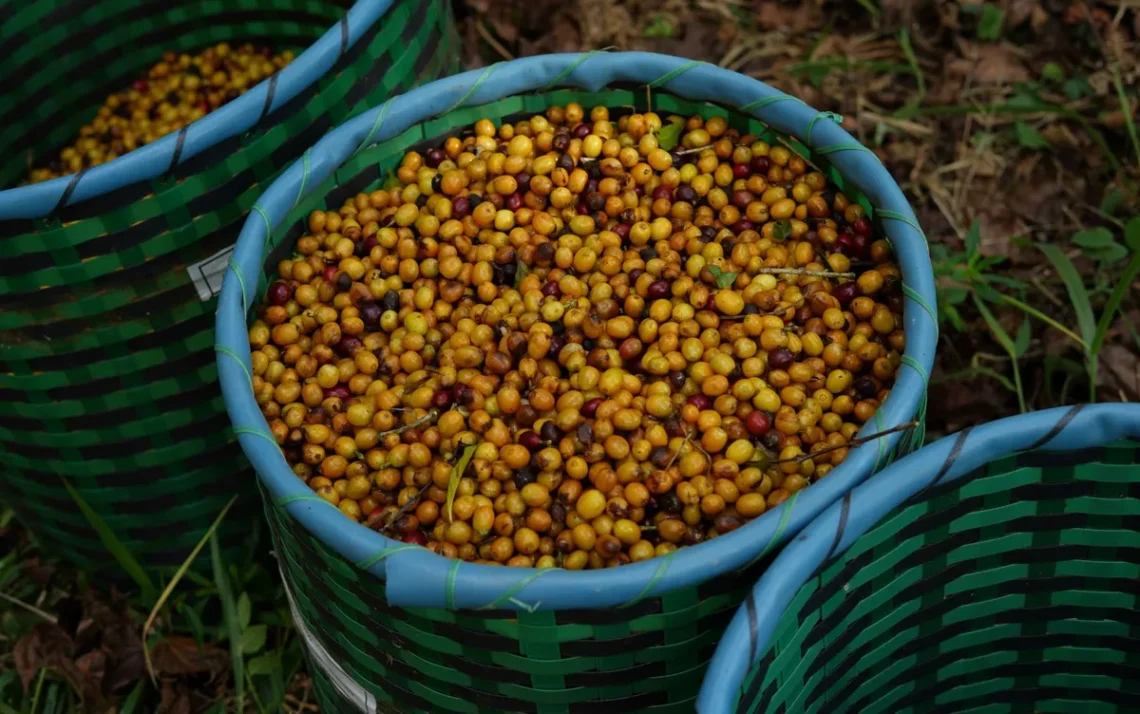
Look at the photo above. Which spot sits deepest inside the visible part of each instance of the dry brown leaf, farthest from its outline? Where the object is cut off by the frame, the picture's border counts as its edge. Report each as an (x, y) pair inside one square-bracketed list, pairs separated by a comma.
[(1018, 11), (989, 64), (773, 15), (44, 645), (173, 702), (948, 15), (1121, 370), (177, 655), (1038, 19), (1059, 135), (997, 225)]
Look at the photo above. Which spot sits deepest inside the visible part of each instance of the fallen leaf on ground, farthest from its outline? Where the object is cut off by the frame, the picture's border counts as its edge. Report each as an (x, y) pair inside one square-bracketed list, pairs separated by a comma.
[(181, 655), (1121, 370), (988, 63), (46, 643)]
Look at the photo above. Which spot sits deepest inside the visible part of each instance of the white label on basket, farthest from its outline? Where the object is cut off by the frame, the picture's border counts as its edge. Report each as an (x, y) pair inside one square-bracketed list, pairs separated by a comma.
[(207, 274), (345, 687)]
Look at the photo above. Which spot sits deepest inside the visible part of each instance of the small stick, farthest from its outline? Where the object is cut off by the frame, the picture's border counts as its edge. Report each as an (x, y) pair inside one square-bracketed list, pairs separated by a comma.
[(850, 445), (418, 422), (694, 150), (30, 608), (490, 40), (405, 508), (802, 271), (777, 311), (677, 453)]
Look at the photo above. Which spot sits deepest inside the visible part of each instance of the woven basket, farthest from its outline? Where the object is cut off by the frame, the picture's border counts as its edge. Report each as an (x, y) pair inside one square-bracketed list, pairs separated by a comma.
[(416, 632), (108, 277), (994, 571)]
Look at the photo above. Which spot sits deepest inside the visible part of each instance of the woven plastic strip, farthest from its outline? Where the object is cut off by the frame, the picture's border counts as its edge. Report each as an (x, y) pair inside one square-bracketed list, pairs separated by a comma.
[(994, 571), (108, 279), (413, 629)]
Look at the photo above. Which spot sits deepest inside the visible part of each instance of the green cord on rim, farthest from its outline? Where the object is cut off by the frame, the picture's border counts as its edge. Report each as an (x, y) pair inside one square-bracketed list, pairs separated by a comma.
[(759, 104), (915, 296), (837, 118), (573, 66), (509, 594), (222, 349), (373, 560), (233, 268), (300, 498), (483, 76), (780, 528), (662, 568), (674, 73)]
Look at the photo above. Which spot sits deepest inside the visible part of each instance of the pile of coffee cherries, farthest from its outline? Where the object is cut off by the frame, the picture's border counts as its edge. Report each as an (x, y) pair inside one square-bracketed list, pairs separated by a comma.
[(176, 91), (555, 343)]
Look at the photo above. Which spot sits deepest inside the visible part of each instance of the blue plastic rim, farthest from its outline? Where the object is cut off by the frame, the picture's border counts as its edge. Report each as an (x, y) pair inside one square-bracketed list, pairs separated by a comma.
[(748, 636), (416, 577), (237, 117)]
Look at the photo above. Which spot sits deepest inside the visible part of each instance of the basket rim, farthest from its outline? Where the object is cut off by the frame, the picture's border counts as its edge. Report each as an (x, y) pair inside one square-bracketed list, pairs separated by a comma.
[(158, 158), (417, 577), (843, 523)]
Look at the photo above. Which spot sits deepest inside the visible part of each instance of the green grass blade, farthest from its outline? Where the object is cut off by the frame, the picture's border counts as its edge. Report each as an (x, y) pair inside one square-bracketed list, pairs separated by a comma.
[(912, 60), (1007, 344), (131, 703), (1113, 303), (870, 7), (174, 583), (1076, 288), (229, 612), (114, 545), (1034, 312), (1126, 108)]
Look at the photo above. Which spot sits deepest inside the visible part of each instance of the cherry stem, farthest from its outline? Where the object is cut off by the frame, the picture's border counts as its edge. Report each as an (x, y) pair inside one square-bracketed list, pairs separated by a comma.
[(403, 511), (850, 445), (802, 271), (431, 415)]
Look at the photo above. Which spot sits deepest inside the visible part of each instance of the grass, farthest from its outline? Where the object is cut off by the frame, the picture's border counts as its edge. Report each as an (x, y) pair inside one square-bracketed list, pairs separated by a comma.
[(241, 607)]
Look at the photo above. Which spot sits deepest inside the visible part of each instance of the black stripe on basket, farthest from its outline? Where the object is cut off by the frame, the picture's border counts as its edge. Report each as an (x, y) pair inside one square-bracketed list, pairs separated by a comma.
[(179, 143), (158, 338), (839, 667), (1025, 699), (66, 195), (752, 694), (136, 278), (1055, 459), (115, 417), (938, 519), (922, 699), (108, 385), (1057, 428), (61, 13), (210, 426)]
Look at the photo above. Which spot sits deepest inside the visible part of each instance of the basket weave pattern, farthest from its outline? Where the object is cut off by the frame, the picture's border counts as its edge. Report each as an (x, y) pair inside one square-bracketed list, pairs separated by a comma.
[(107, 374), (647, 656)]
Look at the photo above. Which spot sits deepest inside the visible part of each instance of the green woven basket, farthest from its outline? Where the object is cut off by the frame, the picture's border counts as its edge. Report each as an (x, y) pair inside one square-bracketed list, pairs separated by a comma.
[(108, 278), (394, 628), (996, 571)]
